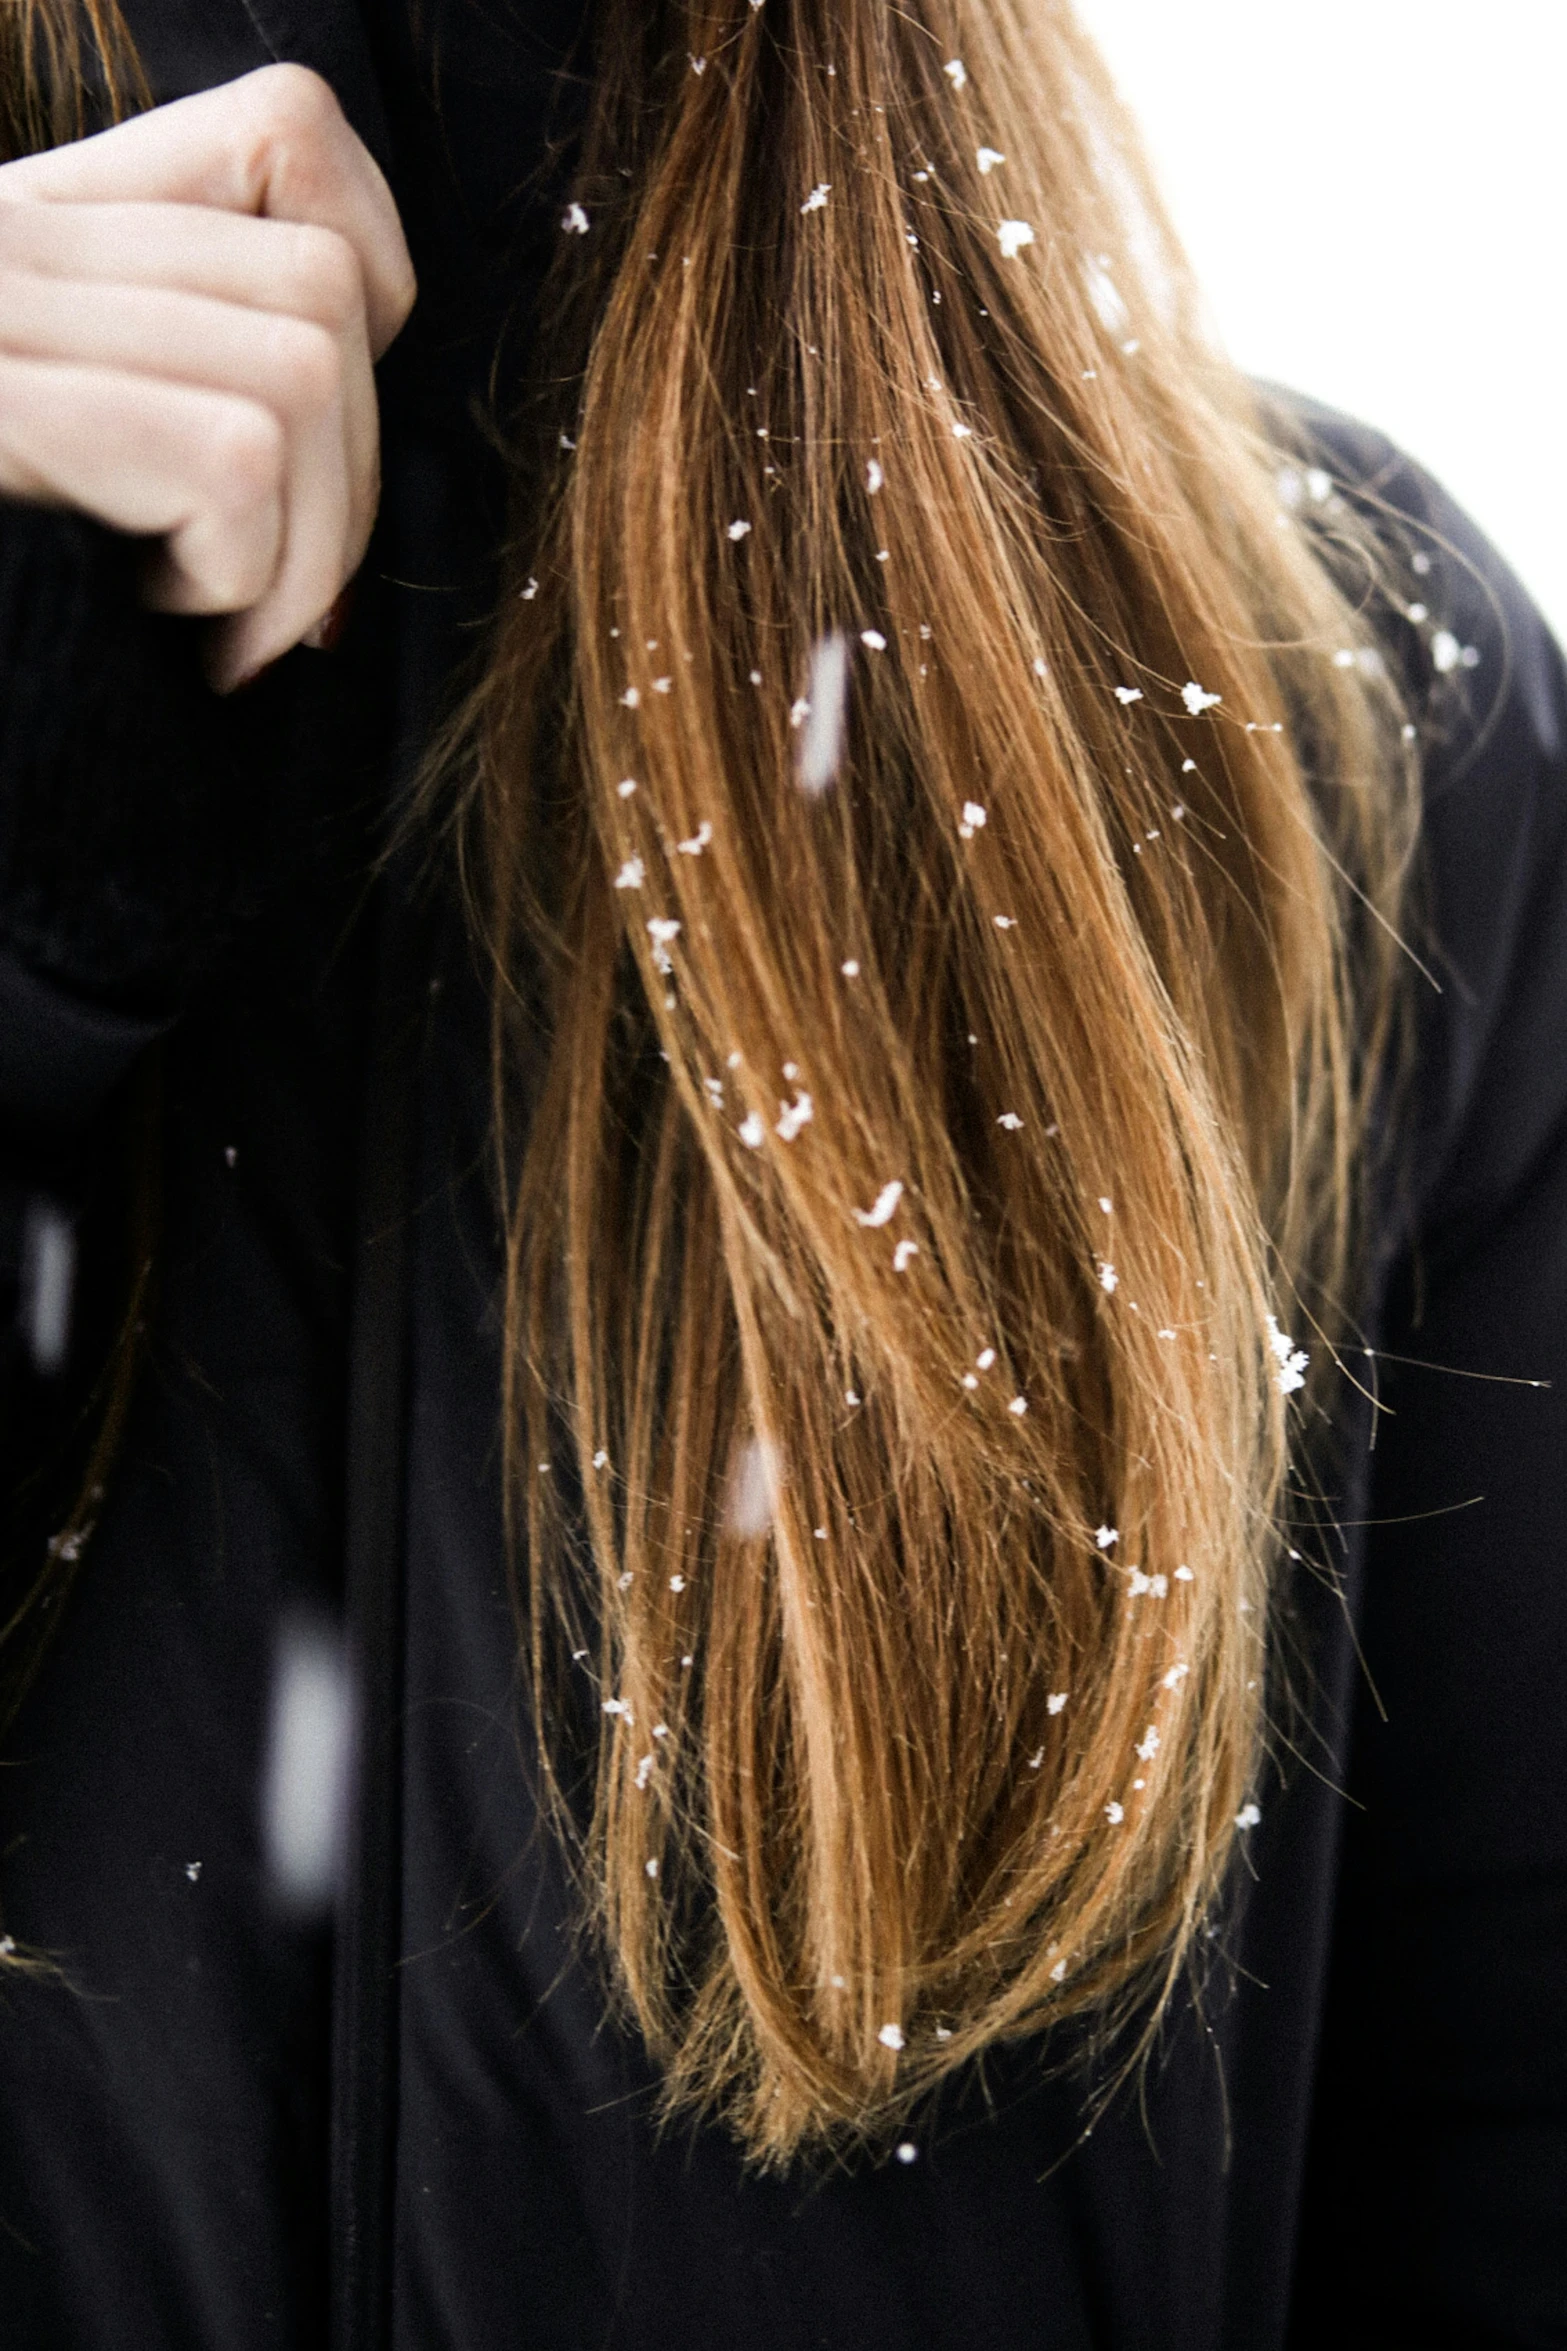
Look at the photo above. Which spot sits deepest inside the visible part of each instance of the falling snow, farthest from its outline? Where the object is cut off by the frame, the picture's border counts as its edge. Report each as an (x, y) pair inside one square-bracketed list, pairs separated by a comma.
[(1105, 296), (824, 705), (753, 1490), (574, 221)]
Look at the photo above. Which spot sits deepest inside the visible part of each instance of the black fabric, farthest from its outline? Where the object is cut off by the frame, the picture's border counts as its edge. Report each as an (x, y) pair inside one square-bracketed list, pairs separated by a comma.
[(140, 817), (1361, 2140)]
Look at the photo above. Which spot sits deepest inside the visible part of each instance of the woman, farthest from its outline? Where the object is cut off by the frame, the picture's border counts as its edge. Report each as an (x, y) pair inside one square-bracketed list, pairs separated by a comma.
[(942, 1336)]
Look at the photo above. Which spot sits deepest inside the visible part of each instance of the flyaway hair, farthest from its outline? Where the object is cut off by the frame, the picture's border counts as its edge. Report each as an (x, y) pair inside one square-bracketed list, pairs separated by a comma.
[(966, 1137)]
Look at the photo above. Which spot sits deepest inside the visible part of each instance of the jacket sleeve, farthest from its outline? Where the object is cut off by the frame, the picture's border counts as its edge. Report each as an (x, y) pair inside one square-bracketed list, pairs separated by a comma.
[(146, 824), (120, 858), (1438, 2205)]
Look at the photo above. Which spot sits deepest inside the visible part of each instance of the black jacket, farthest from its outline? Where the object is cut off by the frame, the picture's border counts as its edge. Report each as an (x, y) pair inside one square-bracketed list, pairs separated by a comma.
[(1361, 2141)]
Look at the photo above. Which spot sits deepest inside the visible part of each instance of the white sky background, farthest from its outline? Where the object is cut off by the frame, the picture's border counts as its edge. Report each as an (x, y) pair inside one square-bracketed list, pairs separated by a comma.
[(1374, 194)]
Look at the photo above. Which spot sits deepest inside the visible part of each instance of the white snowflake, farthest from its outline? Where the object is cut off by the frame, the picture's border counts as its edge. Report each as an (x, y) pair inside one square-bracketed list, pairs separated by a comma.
[(1292, 1360), (1012, 236), (816, 201), (881, 1209), (1196, 700), (631, 875), (574, 221), (987, 158)]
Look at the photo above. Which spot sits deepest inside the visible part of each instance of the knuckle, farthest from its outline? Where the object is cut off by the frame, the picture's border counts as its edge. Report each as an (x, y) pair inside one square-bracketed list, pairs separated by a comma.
[(297, 104), (326, 271), (307, 367), (246, 453)]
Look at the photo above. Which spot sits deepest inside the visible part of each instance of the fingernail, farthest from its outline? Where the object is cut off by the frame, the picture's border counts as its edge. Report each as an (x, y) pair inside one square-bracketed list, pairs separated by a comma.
[(249, 678), (328, 631)]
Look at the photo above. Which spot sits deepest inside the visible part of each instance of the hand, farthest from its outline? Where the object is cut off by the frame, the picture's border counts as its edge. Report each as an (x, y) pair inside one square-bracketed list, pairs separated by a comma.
[(191, 305)]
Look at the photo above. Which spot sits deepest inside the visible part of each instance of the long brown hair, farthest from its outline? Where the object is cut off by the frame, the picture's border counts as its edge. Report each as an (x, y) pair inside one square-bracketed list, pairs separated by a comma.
[(945, 1136), (945, 1129), (66, 67)]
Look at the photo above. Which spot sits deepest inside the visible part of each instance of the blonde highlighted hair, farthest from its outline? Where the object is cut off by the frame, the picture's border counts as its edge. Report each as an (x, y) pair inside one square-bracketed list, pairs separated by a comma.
[(930, 1167)]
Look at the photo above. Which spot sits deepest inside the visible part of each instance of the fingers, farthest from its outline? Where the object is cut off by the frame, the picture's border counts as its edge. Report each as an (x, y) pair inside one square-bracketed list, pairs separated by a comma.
[(205, 469), (313, 379), (296, 269), (196, 298), (275, 143), (316, 383)]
